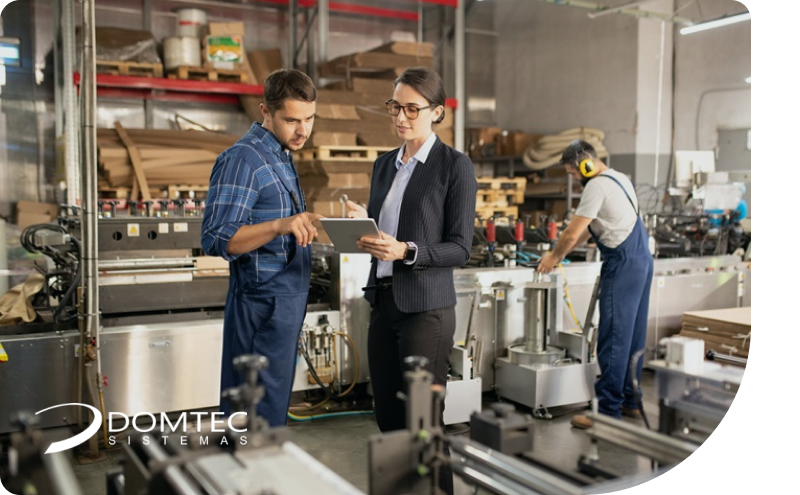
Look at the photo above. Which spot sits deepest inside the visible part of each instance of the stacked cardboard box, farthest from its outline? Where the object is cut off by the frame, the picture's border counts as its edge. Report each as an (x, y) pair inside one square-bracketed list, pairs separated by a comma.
[(726, 331), (353, 106), (488, 142), (329, 173)]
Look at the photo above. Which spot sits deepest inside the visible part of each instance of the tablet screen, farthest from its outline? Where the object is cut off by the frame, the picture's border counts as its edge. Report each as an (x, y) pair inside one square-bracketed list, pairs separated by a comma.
[(344, 232)]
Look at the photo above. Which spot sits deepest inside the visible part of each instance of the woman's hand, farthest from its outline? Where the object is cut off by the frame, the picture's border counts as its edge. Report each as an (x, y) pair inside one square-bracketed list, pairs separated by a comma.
[(385, 249), (355, 210)]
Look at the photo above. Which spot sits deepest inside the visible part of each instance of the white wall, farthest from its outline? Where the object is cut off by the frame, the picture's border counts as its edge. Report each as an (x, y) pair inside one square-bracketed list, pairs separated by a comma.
[(710, 91), (556, 69)]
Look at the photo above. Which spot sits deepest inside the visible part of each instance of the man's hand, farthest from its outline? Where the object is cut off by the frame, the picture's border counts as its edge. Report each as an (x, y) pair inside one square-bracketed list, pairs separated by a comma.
[(355, 210), (385, 249), (300, 226), (547, 263)]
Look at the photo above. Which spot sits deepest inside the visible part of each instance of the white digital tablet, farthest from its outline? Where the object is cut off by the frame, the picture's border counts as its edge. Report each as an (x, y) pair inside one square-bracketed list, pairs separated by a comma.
[(344, 232)]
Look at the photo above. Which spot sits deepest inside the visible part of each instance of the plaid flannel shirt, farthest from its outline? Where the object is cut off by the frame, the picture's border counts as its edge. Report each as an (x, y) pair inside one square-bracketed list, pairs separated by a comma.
[(245, 189)]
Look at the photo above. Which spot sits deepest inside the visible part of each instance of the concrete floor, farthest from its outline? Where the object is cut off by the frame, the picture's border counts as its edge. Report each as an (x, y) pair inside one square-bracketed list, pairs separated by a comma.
[(340, 443)]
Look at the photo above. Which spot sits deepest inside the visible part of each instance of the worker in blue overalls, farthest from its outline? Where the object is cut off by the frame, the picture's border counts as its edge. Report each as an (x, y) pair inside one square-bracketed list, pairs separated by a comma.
[(609, 213), (255, 218)]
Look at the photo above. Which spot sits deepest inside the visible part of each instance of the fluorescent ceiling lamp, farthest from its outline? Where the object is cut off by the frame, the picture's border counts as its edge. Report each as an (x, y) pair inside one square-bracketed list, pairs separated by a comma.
[(717, 23)]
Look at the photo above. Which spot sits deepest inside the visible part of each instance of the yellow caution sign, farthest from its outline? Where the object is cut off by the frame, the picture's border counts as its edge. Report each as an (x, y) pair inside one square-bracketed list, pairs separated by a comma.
[(133, 230), (3, 355), (346, 259)]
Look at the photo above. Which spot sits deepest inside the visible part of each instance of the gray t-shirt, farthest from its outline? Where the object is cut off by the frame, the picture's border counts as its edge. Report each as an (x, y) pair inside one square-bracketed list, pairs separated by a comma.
[(613, 217)]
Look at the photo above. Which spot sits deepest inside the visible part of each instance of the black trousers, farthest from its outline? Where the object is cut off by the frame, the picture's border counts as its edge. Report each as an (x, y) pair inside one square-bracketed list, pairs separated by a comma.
[(393, 336)]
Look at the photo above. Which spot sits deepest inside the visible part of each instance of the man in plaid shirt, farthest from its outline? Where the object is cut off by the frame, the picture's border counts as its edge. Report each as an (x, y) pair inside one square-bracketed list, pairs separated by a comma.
[(256, 219)]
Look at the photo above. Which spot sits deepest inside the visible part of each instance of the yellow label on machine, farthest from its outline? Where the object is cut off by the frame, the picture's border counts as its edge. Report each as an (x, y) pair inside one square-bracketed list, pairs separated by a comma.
[(3, 355)]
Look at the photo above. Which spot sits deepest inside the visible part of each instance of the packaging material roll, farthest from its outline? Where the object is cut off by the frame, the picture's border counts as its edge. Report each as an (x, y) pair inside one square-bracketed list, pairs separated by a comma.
[(181, 50), (191, 22)]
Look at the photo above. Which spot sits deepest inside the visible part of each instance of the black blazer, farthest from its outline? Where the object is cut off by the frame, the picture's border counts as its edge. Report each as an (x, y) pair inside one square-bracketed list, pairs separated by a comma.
[(438, 214)]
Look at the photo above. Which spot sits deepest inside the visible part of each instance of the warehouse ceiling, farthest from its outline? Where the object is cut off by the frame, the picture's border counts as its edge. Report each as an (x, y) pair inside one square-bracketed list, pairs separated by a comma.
[(685, 11)]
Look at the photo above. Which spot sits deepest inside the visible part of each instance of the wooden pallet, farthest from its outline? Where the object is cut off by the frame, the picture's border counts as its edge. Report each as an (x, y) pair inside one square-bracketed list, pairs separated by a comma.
[(185, 191), (202, 74), (341, 153), (138, 69), (113, 192), (497, 197), (489, 211), (502, 183)]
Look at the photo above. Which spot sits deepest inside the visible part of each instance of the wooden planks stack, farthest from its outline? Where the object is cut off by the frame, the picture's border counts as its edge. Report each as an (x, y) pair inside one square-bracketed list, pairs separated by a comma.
[(499, 196), (143, 159), (351, 111), (726, 331), (329, 172)]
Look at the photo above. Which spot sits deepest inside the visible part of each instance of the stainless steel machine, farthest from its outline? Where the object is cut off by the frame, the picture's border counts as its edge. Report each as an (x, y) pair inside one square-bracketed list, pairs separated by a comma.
[(551, 367), (410, 461), (694, 394), (161, 303)]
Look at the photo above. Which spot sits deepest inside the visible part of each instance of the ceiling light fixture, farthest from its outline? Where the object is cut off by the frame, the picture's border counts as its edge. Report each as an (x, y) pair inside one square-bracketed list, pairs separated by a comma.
[(716, 23), (747, 80)]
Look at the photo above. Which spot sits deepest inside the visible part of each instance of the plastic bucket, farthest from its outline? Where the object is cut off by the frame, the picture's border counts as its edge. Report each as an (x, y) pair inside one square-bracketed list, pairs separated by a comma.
[(191, 22)]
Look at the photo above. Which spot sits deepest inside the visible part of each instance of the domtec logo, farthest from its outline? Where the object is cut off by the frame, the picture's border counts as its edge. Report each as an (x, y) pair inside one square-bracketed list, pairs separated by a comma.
[(78, 439)]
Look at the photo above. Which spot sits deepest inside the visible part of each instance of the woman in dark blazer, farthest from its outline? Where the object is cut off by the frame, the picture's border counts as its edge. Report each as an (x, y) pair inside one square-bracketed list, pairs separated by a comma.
[(423, 200)]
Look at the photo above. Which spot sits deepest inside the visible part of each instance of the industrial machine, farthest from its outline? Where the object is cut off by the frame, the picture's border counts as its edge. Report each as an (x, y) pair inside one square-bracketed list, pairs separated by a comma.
[(248, 457), (551, 367), (161, 305), (694, 394), (242, 455), (411, 461)]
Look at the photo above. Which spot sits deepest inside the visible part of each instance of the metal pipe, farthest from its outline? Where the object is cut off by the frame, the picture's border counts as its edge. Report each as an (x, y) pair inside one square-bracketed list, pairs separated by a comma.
[(514, 470), (60, 472), (420, 26), (535, 329), (612, 10), (71, 149), (90, 321), (641, 14), (659, 447), (177, 480), (322, 26), (460, 63), (715, 356), (473, 474), (292, 34)]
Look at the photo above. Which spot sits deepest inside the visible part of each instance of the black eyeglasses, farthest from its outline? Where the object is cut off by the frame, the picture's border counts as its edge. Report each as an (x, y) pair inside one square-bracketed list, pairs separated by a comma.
[(411, 112)]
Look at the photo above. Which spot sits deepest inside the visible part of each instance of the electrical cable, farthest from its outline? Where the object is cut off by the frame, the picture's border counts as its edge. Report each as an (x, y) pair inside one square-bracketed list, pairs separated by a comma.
[(569, 300), (313, 370), (76, 280), (295, 417), (329, 395)]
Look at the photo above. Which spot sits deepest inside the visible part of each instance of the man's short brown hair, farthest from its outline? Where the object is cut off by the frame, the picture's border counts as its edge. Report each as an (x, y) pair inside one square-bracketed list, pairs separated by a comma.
[(288, 84)]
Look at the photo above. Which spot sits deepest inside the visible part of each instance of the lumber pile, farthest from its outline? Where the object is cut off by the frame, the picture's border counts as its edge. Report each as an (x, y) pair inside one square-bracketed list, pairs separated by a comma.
[(726, 331), (351, 110), (143, 159)]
